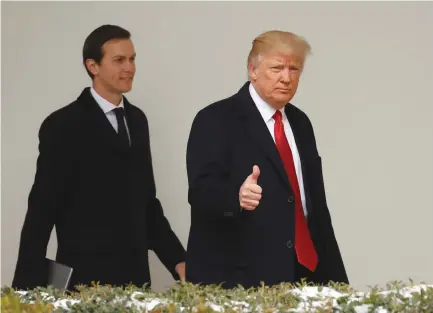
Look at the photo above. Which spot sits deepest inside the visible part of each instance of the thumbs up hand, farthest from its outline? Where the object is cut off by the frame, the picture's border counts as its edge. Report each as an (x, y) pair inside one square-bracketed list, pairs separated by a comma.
[(250, 193)]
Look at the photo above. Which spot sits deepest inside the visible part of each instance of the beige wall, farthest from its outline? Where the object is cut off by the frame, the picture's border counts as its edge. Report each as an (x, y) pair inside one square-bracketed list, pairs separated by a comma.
[(367, 89)]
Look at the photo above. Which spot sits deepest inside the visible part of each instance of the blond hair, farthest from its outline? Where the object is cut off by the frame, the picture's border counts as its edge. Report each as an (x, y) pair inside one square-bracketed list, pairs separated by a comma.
[(276, 41)]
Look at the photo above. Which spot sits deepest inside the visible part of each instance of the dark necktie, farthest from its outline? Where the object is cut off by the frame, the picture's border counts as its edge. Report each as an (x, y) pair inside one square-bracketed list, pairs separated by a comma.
[(122, 133), (304, 247)]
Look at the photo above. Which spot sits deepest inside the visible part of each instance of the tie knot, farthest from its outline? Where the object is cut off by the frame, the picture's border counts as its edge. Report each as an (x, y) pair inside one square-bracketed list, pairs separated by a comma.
[(120, 112), (277, 116)]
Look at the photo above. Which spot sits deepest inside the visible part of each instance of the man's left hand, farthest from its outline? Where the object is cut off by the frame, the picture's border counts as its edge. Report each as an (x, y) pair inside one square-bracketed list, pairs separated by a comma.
[(180, 270)]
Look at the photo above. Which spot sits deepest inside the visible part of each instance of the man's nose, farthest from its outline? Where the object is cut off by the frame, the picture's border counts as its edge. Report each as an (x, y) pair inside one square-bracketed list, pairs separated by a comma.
[(129, 67), (285, 76)]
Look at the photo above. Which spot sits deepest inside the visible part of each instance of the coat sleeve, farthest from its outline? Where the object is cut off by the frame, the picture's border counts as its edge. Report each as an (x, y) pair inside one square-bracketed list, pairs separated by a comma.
[(162, 239), (212, 190), (45, 200), (331, 266)]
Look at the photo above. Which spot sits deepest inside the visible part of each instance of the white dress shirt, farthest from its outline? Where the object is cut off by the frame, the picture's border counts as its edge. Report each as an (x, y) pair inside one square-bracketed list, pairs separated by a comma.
[(108, 107), (267, 113)]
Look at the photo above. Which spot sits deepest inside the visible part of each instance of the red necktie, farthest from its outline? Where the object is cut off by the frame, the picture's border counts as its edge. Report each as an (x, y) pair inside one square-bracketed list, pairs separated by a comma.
[(304, 247)]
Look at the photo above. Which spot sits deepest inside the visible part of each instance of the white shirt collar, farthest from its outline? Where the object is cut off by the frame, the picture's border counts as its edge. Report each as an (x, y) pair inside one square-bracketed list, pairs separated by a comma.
[(105, 105), (264, 108)]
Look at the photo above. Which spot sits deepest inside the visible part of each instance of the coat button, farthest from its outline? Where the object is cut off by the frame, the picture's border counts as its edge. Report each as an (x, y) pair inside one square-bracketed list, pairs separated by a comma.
[(289, 244), (291, 199)]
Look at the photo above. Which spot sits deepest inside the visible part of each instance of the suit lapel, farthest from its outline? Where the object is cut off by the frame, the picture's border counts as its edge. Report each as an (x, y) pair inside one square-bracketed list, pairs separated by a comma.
[(300, 144), (256, 127), (99, 124), (134, 125)]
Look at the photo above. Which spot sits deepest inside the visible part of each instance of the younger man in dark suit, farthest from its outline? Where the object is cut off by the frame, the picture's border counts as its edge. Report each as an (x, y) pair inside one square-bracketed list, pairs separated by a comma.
[(258, 205), (94, 181)]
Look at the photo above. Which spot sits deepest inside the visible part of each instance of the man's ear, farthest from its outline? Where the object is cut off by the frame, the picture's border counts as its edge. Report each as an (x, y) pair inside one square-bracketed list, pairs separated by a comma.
[(92, 66), (252, 71)]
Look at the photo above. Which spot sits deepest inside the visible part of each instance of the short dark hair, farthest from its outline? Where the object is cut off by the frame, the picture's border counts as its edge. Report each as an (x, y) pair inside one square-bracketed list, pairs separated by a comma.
[(92, 48)]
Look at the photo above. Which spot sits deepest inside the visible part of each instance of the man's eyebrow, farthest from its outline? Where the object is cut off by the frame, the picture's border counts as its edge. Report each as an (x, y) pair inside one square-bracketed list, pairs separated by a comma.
[(276, 63), (123, 56)]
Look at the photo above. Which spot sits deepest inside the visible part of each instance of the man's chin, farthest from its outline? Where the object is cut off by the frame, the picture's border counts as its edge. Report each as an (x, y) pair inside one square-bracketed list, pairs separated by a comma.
[(283, 100), (125, 89)]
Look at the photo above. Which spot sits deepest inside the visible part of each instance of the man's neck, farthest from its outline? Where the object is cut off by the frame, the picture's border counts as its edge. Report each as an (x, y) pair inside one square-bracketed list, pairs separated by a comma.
[(113, 98)]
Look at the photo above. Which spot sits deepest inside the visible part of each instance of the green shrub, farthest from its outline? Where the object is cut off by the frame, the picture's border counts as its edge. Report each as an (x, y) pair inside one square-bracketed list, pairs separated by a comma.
[(186, 297)]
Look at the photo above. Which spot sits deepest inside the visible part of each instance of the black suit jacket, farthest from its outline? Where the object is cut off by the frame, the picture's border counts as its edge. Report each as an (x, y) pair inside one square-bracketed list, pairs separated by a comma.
[(100, 195), (233, 246)]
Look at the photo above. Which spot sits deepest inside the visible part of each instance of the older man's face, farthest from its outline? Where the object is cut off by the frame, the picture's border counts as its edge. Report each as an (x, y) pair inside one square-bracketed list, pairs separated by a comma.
[(276, 78)]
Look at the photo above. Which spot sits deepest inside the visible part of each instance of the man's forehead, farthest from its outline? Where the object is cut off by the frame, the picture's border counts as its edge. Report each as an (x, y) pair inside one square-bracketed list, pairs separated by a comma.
[(283, 58), (116, 46)]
